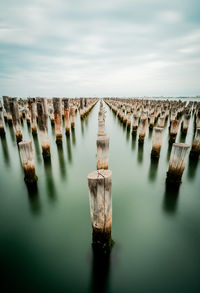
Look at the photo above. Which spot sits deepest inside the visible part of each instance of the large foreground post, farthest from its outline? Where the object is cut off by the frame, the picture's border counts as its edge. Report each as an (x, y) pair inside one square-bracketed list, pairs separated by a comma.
[(100, 195), (27, 158), (177, 162)]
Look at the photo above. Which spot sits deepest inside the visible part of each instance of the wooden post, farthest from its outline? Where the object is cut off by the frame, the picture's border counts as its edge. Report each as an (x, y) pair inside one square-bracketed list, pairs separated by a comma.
[(177, 162), (143, 127), (135, 123), (8, 114), (101, 127), (33, 110), (66, 114), (152, 121), (100, 195), (128, 122), (161, 122), (16, 119), (27, 158), (82, 111), (57, 118), (185, 123), (197, 119), (86, 106), (102, 152), (72, 112), (46, 114), (27, 115), (43, 129), (51, 115), (2, 131), (174, 130), (156, 142), (195, 151)]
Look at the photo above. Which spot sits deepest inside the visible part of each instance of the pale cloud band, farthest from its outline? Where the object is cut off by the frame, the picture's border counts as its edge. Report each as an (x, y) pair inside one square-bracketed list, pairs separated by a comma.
[(99, 48)]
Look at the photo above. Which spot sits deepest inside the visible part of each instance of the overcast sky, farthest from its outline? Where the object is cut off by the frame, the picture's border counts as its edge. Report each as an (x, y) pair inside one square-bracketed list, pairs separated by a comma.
[(99, 48)]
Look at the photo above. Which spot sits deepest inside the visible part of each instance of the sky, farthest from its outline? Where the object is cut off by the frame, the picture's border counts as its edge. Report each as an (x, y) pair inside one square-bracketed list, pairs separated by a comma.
[(82, 48)]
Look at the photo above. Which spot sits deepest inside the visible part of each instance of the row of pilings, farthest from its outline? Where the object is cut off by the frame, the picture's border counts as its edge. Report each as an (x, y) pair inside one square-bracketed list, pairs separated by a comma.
[(100, 193), (139, 114), (37, 111)]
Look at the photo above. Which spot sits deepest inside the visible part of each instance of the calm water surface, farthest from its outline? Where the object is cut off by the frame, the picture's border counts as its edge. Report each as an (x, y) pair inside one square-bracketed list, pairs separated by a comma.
[(45, 234)]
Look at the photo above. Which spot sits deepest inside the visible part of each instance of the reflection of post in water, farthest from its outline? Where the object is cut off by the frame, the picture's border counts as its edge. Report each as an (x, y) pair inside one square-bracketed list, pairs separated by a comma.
[(69, 150), (12, 134), (169, 151), (37, 148), (49, 180), (133, 144), (33, 197), (5, 151), (153, 169), (73, 136), (29, 128), (140, 152), (183, 136), (82, 127), (192, 168), (171, 198), (53, 129), (61, 160), (86, 121), (100, 271), (127, 134), (150, 132)]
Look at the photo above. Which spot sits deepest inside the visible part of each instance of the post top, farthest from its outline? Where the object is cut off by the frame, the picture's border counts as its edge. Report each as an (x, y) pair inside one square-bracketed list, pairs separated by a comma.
[(99, 174), (158, 128), (179, 144), (24, 142)]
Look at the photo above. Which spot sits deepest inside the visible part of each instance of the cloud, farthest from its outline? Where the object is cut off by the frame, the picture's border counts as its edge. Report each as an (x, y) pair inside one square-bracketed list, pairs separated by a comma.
[(170, 17), (78, 48)]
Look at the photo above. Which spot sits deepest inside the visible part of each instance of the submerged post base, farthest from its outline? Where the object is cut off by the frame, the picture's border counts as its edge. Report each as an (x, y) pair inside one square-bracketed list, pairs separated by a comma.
[(102, 241), (194, 154), (34, 131), (172, 138), (10, 123), (30, 175), (141, 139), (46, 152), (2, 132), (155, 154), (19, 137), (173, 178), (59, 138)]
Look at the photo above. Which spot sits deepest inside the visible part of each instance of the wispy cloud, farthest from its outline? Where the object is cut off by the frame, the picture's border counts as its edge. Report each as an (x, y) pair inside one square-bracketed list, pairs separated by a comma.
[(120, 47)]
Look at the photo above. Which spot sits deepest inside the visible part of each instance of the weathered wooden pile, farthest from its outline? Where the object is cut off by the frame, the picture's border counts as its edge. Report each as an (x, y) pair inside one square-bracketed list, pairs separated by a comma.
[(37, 111), (154, 113)]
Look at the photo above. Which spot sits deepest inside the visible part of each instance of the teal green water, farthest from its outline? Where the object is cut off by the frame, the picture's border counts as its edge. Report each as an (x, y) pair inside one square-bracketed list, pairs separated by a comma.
[(45, 234)]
